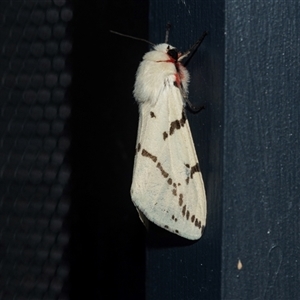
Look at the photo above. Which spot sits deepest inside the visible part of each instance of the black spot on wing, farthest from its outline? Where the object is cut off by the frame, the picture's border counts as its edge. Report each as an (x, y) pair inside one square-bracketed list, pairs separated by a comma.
[(191, 171), (198, 223), (180, 199), (158, 165), (194, 169), (174, 125), (177, 124), (149, 155), (183, 210), (163, 172), (187, 214)]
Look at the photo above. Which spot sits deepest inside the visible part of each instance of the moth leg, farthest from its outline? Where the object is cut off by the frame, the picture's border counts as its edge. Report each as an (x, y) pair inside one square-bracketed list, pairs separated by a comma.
[(186, 100), (194, 108)]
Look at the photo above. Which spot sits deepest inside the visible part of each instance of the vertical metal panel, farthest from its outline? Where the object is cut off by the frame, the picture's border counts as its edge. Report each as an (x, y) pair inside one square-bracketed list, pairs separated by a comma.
[(261, 150), (248, 144), (177, 269)]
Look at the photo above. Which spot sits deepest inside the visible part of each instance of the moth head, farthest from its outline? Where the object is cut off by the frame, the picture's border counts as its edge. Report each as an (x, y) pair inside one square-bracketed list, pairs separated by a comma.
[(173, 52), (164, 52)]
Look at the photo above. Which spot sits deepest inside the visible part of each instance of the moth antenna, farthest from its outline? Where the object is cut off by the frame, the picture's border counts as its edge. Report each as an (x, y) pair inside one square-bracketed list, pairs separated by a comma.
[(168, 27), (190, 53), (132, 37)]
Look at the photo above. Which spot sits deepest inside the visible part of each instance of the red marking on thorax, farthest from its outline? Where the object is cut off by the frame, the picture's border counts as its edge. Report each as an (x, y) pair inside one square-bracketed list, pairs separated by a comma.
[(171, 60), (179, 76)]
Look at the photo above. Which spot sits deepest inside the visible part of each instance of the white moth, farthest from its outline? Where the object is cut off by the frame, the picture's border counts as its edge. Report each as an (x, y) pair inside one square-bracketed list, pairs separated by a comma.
[(167, 186)]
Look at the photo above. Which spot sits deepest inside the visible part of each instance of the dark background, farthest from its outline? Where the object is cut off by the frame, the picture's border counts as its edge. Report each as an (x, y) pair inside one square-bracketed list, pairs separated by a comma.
[(107, 248), (68, 129)]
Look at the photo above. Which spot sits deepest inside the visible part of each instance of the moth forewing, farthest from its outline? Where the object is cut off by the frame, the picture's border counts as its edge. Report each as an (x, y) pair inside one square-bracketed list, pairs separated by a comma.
[(167, 186)]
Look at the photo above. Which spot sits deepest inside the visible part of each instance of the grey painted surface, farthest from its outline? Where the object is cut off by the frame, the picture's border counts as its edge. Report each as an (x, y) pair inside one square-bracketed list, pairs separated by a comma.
[(246, 74)]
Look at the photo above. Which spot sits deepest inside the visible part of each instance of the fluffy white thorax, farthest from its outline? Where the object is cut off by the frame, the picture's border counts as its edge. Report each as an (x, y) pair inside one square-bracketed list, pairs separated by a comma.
[(155, 70)]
